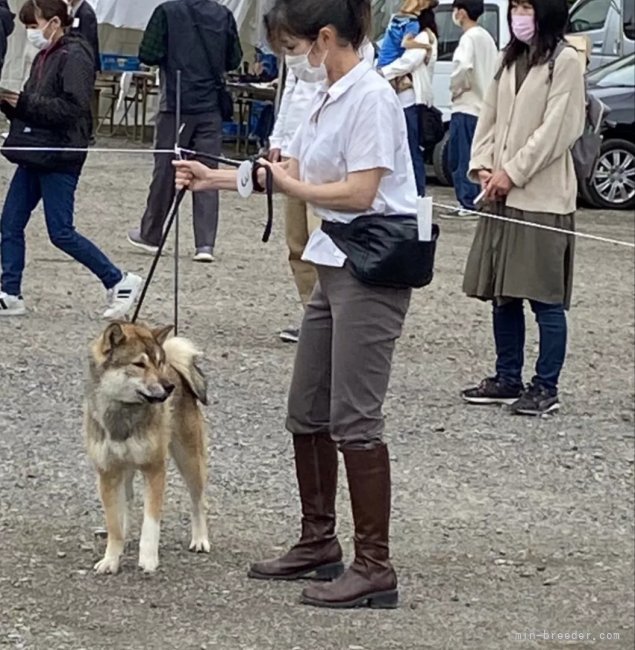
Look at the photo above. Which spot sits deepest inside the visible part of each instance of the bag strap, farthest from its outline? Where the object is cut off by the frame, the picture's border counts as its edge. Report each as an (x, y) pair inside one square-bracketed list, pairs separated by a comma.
[(219, 78), (560, 47)]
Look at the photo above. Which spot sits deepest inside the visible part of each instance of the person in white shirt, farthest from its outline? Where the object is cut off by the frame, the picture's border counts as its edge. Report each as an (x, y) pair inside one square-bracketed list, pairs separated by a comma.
[(299, 221), (349, 157), (417, 64), (474, 62)]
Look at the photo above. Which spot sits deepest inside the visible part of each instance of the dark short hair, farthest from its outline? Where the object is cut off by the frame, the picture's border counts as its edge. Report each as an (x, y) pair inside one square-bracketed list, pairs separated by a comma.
[(552, 17), (473, 8), (305, 18), (47, 9), (428, 20)]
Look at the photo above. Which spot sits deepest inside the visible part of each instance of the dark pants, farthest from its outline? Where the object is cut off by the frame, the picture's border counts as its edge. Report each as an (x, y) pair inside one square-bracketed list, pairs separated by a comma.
[(57, 191), (462, 128), (509, 334), (202, 133), (416, 152), (344, 359)]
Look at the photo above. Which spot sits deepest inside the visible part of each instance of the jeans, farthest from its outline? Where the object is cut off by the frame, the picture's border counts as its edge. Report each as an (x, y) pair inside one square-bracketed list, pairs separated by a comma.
[(416, 152), (57, 191), (509, 334), (462, 128)]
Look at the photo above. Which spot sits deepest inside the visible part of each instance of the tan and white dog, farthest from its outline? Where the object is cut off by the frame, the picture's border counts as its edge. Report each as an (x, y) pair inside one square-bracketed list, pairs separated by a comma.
[(141, 406)]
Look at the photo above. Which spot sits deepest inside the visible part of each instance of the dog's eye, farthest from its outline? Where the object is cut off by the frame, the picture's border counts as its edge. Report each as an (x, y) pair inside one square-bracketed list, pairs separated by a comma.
[(139, 364)]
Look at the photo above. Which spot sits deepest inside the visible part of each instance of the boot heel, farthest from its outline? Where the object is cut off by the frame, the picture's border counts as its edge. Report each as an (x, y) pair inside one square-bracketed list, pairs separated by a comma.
[(385, 600), (329, 572)]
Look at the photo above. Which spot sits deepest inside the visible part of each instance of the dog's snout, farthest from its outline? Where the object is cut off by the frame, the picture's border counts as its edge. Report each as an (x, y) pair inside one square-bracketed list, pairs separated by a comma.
[(167, 387)]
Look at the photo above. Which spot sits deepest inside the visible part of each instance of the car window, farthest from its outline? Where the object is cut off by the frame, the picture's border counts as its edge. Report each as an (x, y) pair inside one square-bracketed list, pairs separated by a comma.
[(618, 73), (588, 16), (629, 19), (449, 33)]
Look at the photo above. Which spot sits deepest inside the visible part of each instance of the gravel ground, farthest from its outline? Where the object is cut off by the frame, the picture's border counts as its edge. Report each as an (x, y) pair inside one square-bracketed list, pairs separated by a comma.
[(504, 529)]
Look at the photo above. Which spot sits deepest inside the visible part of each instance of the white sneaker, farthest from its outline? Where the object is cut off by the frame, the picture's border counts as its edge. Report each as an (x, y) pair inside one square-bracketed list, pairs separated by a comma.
[(11, 305), (122, 296), (204, 255), (460, 215)]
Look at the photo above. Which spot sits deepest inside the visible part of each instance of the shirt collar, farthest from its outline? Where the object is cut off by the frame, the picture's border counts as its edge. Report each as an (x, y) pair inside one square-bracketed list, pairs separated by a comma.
[(343, 85), (328, 94)]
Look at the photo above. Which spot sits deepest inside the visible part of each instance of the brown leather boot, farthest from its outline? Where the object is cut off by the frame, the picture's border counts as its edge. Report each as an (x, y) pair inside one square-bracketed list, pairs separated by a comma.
[(370, 581), (318, 553)]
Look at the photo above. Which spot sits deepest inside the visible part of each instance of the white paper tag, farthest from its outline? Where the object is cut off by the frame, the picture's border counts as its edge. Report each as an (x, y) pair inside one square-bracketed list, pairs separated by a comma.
[(424, 218), (76, 23), (244, 180)]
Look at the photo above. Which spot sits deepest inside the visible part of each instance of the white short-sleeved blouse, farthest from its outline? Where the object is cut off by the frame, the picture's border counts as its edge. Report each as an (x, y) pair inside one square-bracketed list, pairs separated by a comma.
[(355, 125)]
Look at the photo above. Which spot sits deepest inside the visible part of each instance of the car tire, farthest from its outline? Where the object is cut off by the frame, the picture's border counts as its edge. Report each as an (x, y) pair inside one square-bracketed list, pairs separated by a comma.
[(585, 194), (615, 154), (440, 161)]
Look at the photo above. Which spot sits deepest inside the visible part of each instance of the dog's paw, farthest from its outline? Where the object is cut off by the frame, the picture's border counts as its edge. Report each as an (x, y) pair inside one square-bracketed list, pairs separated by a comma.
[(107, 565), (148, 562), (200, 545)]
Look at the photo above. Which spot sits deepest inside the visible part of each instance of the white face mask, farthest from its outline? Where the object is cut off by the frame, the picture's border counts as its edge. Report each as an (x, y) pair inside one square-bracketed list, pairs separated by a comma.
[(304, 70), (37, 39), (455, 18)]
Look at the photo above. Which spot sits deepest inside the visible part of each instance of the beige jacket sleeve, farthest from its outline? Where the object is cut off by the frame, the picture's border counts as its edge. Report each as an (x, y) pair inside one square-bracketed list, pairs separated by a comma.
[(485, 134), (562, 125)]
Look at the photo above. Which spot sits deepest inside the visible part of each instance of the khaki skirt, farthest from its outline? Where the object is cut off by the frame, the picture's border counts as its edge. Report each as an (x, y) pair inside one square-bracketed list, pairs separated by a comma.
[(509, 260)]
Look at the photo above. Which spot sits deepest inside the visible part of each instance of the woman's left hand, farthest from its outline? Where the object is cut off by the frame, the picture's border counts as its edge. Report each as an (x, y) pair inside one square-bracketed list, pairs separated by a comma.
[(281, 177), (499, 185)]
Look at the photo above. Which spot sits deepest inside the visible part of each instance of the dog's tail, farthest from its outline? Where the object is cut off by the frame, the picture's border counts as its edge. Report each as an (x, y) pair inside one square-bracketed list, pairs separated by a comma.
[(181, 354)]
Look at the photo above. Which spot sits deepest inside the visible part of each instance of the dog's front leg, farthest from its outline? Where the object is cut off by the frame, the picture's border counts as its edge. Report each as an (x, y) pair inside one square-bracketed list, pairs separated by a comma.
[(154, 476), (109, 490)]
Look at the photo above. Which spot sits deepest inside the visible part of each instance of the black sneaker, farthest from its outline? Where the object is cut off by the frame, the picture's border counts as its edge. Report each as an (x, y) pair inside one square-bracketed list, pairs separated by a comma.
[(290, 335), (536, 400), (492, 391)]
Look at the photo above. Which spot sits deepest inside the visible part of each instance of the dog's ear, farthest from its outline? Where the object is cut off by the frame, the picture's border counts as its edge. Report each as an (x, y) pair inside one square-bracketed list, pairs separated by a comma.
[(112, 337), (161, 333)]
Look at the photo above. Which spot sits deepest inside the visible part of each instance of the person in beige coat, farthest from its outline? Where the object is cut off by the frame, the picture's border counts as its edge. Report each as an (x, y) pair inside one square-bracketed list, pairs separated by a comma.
[(533, 114)]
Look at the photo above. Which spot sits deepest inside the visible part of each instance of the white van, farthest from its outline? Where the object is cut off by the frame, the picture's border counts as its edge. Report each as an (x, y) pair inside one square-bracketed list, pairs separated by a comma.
[(494, 20), (609, 25)]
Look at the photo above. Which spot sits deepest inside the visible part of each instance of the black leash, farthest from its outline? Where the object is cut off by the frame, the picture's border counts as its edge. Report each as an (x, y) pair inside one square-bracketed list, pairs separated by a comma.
[(268, 189), (173, 216)]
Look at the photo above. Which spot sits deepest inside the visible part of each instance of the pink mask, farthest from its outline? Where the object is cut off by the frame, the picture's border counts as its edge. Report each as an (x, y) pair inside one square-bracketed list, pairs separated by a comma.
[(524, 28)]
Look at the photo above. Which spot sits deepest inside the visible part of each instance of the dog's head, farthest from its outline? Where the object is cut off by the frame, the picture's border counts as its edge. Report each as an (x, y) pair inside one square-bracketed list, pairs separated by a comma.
[(130, 364)]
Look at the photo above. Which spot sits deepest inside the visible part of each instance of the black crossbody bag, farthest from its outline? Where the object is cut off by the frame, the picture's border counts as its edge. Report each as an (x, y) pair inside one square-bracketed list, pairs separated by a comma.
[(225, 99), (385, 251)]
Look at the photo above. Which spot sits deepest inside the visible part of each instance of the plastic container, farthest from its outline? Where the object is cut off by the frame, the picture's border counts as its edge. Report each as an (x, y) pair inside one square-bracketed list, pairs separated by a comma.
[(119, 63)]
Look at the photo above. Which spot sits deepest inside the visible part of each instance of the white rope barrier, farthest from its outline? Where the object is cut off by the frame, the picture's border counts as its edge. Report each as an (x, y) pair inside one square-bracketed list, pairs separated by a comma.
[(539, 226), (448, 208)]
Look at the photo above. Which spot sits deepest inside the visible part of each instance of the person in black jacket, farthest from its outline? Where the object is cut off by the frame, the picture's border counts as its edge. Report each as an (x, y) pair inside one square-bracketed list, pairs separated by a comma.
[(52, 112), (7, 19), (85, 23), (199, 38)]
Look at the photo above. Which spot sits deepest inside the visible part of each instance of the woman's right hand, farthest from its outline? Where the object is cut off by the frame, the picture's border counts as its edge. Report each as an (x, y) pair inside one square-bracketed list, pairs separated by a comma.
[(194, 176), (484, 177)]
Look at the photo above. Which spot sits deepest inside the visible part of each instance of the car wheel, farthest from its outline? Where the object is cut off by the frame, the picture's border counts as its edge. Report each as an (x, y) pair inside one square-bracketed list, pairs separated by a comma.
[(612, 185), (440, 161)]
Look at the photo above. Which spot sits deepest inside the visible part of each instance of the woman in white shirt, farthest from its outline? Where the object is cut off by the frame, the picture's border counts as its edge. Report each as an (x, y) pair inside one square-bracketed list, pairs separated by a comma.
[(350, 157), (417, 64)]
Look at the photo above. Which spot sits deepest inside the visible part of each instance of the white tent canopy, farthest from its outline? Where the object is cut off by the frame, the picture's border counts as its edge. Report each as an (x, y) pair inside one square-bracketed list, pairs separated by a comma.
[(121, 27)]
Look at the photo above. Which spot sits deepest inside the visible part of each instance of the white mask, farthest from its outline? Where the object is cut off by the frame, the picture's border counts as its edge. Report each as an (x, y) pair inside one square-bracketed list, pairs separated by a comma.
[(37, 39), (455, 18), (304, 70)]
